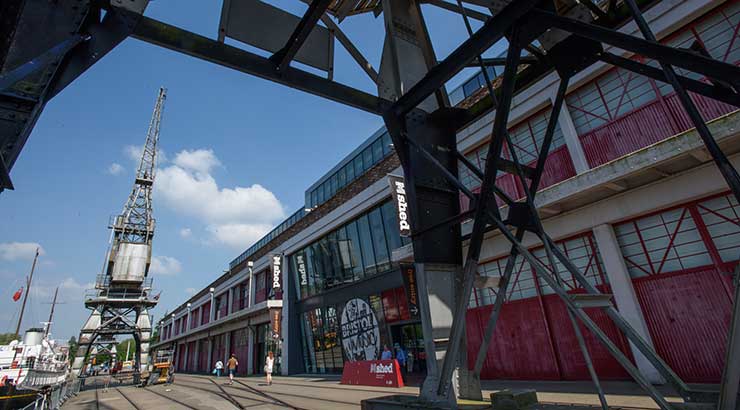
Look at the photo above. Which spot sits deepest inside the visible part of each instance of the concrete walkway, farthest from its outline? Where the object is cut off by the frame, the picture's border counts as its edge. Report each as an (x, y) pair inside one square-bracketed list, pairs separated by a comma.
[(311, 392)]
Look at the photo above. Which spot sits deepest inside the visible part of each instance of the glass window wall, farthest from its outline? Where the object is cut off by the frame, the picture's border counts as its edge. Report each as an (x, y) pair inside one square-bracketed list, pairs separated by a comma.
[(356, 250)]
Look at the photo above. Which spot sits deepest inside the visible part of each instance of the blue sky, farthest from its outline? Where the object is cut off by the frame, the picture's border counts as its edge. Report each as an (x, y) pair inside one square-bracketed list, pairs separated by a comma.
[(238, 154)]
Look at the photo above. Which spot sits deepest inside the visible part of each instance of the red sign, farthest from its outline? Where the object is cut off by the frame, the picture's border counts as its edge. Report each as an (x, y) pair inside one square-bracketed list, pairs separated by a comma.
[(381, 373)]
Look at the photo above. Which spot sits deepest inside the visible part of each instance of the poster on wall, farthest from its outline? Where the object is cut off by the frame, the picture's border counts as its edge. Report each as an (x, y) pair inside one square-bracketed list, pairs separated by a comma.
[(398, 191), (412, 291), (360, 332)]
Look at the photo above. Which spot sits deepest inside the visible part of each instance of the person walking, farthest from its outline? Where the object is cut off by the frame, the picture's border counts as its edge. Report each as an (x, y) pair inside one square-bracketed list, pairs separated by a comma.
[(231, 365), (269, 362), (219, 368), (401, 357), (387, 354), (409, 362), (106, 380)]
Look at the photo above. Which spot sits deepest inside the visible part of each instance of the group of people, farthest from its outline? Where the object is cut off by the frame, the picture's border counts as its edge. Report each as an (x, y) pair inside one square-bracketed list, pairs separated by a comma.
[(232, 364), (405, 358)]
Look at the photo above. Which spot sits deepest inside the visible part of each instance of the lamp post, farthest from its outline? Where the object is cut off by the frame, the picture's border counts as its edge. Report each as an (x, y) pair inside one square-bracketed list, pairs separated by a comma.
[(250, 265), (187, 326), (212, 304)]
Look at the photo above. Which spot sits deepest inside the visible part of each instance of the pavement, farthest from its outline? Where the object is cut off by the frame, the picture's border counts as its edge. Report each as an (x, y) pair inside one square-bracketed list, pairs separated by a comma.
[(309, 392)]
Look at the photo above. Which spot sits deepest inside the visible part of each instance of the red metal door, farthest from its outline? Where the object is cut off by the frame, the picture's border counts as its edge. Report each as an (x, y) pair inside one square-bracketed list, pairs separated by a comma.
[(181, 357), (203, 357), (520, 347), (687, 315), (192, 365), (570, 357), (675, 258), (240, 347)]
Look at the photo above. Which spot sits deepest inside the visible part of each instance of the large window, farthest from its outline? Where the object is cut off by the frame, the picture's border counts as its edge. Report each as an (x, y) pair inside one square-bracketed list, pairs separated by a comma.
[(360, 248), (664, 242), (323, 329), (691, 236), (581, 250), (205, 313), (351, 170)]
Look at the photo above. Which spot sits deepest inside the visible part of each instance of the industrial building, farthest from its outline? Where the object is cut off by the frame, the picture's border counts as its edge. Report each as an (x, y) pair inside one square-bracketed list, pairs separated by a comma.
[(628, 191)]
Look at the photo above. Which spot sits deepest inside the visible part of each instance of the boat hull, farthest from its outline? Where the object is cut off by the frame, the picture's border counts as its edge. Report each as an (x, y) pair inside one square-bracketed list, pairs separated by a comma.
[(12, 398)]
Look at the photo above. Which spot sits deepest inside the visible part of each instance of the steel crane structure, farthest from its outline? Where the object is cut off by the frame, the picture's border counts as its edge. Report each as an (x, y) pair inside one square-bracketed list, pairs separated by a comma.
[(562, 37), (121, 300)]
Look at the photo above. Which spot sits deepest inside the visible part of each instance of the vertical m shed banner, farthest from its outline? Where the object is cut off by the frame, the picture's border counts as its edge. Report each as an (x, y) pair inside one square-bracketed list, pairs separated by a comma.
[(275, 316), (398, 190), (412, 291), (277, 261)]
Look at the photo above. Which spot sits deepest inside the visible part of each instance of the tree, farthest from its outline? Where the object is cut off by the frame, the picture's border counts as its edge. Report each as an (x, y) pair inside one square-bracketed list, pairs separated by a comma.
[(121, 349), (73, 346), (6, 338)]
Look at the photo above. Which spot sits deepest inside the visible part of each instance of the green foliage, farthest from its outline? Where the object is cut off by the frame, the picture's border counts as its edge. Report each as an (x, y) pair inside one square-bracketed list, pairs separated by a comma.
[(6, 338), (73, 345), (121, 349)]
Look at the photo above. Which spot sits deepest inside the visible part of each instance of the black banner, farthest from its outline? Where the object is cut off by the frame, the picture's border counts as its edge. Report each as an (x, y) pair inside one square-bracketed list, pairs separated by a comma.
[(277, 261), (412, 291), (398, 190)]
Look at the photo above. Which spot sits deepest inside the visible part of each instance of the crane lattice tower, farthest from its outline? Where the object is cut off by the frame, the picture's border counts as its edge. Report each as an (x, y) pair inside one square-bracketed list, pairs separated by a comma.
[(121, 300)]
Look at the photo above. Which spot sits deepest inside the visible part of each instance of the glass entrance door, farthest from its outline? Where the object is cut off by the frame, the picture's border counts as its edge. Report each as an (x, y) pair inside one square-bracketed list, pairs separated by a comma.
[(410, 337)]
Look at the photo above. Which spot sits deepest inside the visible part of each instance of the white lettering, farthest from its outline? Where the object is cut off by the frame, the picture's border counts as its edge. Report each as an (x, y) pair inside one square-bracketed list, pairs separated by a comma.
[(302, 269), (403, 218), (276, 260), (381, 368)]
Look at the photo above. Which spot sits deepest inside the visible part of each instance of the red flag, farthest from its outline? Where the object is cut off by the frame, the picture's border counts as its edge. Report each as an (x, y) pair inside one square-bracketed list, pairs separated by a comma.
[(17, 294)]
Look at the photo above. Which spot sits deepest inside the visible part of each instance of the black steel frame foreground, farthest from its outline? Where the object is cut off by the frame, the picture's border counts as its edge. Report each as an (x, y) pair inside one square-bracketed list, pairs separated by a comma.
[(520, 22)]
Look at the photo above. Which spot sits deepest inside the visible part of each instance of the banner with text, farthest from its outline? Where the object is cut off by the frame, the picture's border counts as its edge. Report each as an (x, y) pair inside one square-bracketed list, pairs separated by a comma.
[(398, 191), (275, 315), (412, 291)]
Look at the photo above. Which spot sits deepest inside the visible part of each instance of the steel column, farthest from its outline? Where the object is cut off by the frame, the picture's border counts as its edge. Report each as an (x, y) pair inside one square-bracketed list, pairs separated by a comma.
[(501, 295), (480, 220)]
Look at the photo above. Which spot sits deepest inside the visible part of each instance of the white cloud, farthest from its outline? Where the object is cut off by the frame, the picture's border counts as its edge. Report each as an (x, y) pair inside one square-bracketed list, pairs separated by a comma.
[(238, 236), (190, 291), (199, 160), (236, 216), (186, 232), (133, 152), (115, 169), (69, 289), (165, 265), (14, 251)]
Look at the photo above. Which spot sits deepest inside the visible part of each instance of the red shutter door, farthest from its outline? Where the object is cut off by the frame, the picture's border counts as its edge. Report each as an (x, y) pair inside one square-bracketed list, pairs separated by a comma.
[(520, 345), (688, 315), (675, 258), (572, 363)]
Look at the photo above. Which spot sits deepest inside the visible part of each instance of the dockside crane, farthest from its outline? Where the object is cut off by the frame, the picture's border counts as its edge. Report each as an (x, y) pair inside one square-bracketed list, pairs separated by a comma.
[(121, 300)]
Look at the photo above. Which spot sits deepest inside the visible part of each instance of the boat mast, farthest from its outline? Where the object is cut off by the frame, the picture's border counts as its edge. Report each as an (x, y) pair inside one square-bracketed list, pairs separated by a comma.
[(25, 296), (51, 314)]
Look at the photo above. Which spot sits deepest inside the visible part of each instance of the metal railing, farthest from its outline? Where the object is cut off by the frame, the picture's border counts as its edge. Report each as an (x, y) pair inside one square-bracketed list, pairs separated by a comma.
[(56, 397)]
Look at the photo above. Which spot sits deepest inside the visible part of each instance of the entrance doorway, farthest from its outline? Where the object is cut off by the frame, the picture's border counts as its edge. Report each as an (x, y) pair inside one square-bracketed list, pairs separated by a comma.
[(410, 337), (265, 343)]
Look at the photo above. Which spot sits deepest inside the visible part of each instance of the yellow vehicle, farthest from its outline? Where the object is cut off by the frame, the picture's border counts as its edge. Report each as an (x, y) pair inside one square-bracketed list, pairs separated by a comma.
[(163, 370)]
